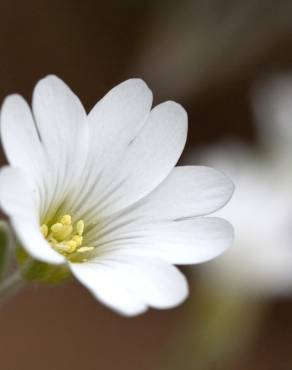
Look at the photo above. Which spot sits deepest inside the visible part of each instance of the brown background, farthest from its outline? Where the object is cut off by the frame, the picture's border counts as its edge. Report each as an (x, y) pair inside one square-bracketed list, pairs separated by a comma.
[(93, 46)]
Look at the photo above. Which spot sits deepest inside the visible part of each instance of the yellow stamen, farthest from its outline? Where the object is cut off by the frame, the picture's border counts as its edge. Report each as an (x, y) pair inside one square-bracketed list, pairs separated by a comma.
[(57, 227), (66, 220), (80, 227), (84, 249), (78, 240), (61, 232), (52, 240), (64, 237), (72, 245), (44, 230), (62, 248)]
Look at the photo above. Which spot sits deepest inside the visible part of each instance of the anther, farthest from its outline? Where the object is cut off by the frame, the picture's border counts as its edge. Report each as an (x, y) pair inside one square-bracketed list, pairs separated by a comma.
[(80, 227), (57, 227), (78, 240), (84, 249), (61, 232), (44, 230), (65, 237), (66, 220), (72, 245)]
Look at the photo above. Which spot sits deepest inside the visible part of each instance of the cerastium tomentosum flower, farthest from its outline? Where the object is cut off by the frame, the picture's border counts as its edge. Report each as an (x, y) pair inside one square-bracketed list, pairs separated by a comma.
[(100, 193)]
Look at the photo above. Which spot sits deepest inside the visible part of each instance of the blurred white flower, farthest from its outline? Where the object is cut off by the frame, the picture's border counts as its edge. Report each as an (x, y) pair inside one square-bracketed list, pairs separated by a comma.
[(272, 102), (100, 192), (260, 262)]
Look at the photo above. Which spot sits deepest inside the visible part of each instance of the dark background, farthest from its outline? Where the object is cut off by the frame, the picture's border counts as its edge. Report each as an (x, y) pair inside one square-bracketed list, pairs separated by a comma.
[(93, 45)]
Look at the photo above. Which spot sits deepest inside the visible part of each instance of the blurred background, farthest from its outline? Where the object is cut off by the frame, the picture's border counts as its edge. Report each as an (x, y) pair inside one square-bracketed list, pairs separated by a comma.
[(221, 59)]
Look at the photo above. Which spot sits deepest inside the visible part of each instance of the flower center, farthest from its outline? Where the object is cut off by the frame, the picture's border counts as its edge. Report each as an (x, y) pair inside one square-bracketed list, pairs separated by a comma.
[(65, 237)]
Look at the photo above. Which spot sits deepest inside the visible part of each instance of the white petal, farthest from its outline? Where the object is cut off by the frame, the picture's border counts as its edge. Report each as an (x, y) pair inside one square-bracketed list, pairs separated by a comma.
[(113, 124), (22, 144), (34, 243), (18, 201), (151, 280), (19, 136), (179, 242), (117, 118), (148, 160), (59, 114), (187, 192), (105, 284), (157, 283), (61, 122), (192, 241)]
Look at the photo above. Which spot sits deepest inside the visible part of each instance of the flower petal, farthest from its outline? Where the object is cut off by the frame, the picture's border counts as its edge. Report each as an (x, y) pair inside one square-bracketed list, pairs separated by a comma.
[(113, 124), (158, 283), (105, 284), (117, 118), (192, 241), (151, 280), (18, 201), (24, 149), (148, 160), (20, 138), (187, 192), (61, 122), (179, 242)]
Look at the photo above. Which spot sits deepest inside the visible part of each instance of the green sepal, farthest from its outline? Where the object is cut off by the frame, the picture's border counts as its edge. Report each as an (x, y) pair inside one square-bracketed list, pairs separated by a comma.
[(41, 272), (6, 244)]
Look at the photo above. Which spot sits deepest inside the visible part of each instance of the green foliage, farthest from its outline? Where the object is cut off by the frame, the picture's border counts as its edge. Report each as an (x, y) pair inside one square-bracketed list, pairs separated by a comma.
[(37, 271)]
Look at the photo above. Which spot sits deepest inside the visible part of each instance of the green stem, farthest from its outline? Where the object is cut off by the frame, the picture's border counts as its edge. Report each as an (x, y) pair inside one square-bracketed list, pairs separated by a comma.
[(11, 285)]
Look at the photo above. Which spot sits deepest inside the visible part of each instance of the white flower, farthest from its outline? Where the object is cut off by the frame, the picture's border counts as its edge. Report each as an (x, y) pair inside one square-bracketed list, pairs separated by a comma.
[(100, 192), (260, 262)]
